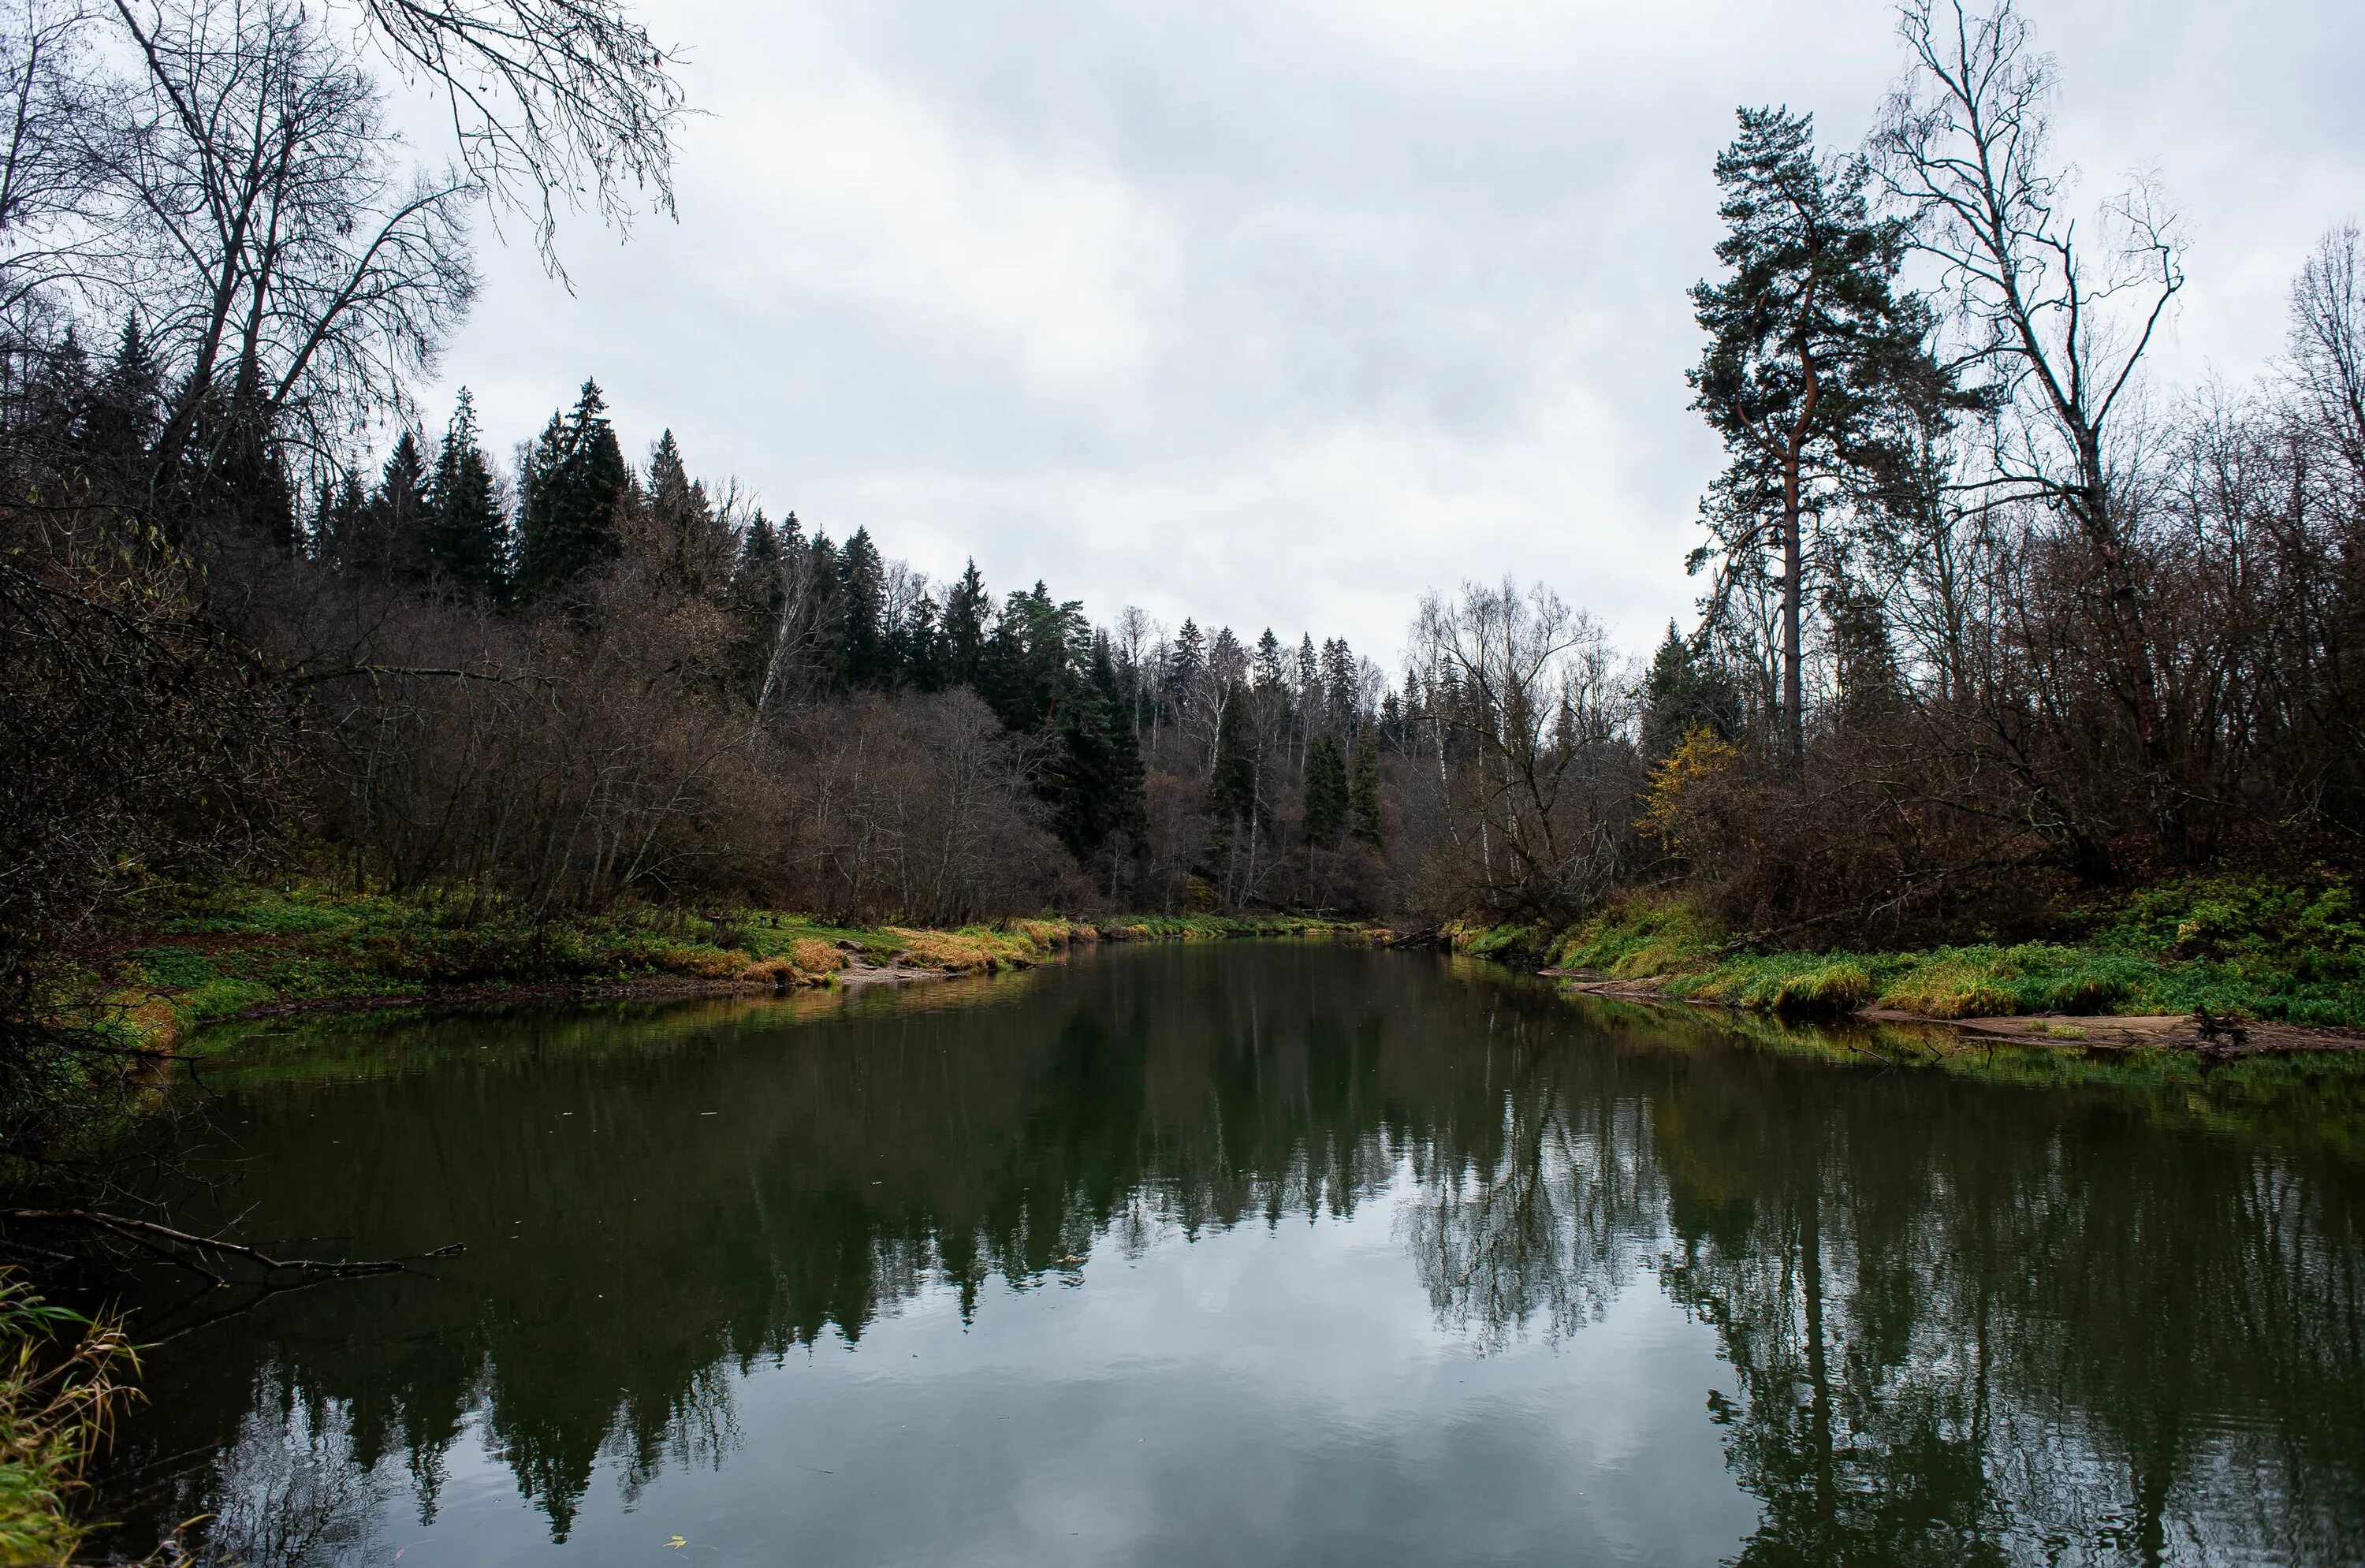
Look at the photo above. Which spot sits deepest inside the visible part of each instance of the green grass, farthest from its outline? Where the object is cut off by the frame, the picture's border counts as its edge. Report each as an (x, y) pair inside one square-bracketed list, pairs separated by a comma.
[(1643, 941), (2288, 951), (1507, 944)]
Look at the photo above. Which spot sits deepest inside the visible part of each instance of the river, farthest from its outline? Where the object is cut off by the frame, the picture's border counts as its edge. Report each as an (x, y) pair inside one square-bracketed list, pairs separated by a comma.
[(1250, 1253)]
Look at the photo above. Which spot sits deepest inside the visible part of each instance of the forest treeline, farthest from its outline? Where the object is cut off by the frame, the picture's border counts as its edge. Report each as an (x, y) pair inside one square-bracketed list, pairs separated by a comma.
[(1991, 617)]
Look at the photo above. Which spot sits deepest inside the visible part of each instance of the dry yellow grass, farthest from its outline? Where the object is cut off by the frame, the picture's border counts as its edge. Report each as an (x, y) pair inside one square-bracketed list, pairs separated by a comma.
[(706, 964), (813, 957), (957, 951), (776, 971)]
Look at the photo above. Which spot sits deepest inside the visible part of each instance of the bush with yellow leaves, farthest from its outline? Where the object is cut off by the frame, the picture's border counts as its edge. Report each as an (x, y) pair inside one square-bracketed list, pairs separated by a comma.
[(1673, 789)]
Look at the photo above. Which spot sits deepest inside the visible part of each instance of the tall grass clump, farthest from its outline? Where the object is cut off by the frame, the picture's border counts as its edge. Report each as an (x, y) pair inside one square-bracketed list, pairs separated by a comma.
[(63, 1379)]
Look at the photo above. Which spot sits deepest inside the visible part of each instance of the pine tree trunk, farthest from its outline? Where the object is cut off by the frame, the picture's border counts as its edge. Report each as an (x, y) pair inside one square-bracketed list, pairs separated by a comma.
[(1794, 685)]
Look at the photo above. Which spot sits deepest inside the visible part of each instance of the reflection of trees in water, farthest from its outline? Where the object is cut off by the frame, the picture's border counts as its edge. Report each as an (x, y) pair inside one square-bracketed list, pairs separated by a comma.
[(1964, 1322), (1559, 1219), (1972, 1325), (290, 1485)]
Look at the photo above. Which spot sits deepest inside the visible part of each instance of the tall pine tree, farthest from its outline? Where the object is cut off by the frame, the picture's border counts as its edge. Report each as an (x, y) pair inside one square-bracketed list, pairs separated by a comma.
[(1809, 341)]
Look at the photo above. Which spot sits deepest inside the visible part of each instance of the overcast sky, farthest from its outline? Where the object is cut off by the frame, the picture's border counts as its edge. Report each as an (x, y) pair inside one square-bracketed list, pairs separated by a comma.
[(1280, 313)]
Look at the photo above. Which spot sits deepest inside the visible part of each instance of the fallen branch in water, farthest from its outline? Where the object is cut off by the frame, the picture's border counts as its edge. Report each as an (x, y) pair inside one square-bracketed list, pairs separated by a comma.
[(175, 1246)]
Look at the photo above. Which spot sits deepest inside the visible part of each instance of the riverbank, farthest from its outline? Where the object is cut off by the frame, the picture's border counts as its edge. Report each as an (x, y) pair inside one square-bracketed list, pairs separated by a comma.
[(190, 958), (2217, 965)]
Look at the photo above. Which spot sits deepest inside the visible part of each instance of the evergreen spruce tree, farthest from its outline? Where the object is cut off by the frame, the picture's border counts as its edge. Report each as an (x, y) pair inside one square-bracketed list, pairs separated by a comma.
[(695, 551), (1096, 785), (338, 524), (391, 546), (538, 481), (828, 608), (466, 540), (1681, 692), (1129, 808), (969, 614), (1326, 792), (1338, 685), (754, 602), (1190, 658), (230, 481), (1870, 689), (915, 646), (1364, 791), (1266, 665), (575, 475), (52, 406), (862, 596), (118, 421), (1232, 803)]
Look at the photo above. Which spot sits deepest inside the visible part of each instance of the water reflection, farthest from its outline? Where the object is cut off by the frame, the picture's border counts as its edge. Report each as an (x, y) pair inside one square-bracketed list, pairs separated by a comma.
[(1960, 1322)]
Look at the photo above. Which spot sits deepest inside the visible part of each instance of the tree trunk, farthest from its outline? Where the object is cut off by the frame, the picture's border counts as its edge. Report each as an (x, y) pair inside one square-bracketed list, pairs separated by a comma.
[(1793, 684)]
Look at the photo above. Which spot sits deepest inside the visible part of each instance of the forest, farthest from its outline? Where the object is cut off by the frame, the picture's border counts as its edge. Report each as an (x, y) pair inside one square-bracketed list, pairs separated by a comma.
[(1991, 620)]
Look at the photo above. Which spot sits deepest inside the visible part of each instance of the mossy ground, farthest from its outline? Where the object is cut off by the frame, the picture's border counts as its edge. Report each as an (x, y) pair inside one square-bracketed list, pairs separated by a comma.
[(2290, 952)]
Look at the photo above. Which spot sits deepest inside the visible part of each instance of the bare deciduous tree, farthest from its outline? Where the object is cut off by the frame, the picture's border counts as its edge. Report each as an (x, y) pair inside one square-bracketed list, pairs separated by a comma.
[(293, 269), (545, 95), (1540, 721), (2059, 322)]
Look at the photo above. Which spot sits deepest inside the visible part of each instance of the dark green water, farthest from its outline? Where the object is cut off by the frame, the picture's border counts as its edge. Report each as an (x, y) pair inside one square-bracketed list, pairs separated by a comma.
[(1252, 1254)]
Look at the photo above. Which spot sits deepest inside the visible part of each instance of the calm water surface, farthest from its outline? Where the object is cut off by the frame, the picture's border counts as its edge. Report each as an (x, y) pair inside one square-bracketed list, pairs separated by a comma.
[(1252, 1254)]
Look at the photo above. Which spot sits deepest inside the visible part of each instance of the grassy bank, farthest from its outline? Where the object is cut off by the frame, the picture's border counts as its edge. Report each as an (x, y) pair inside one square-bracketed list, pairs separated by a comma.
[(193, 957), (2291, 953), (63, 1379)]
